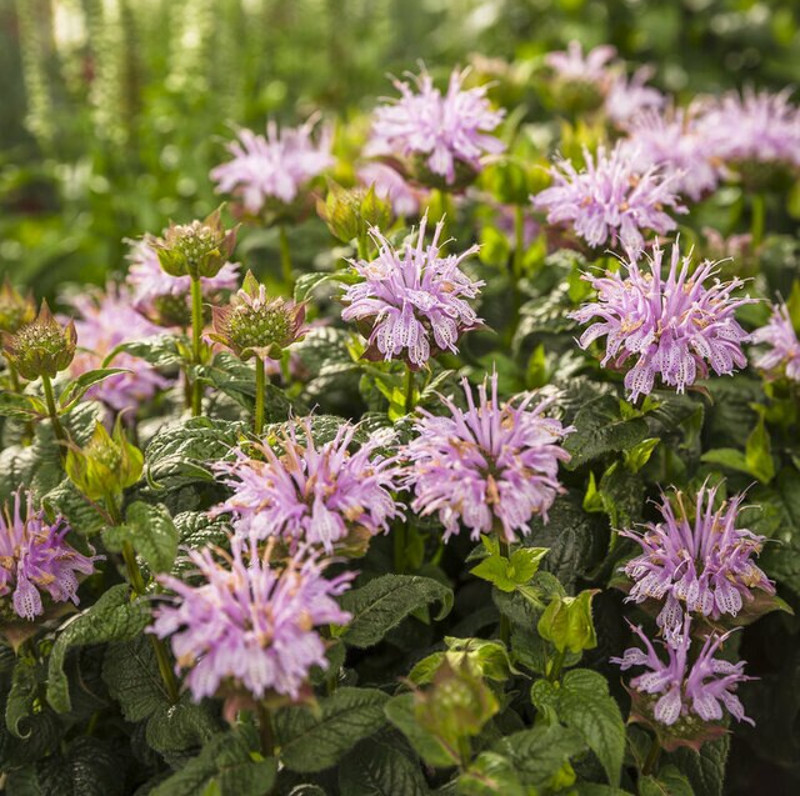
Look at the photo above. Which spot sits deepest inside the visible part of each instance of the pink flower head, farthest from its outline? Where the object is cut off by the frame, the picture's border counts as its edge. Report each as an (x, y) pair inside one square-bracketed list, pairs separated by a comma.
[(35, 558), (672, 143), (679, 689), (412, 300), (753, 126), (628, 97), (784, 347), (390, 186), (275, 167), (306, 493), (251, 623), (674, 327), (447, 130), (571, 64), (493, 466), (610, 200), (151, 286), (106, 321), (701, 563)]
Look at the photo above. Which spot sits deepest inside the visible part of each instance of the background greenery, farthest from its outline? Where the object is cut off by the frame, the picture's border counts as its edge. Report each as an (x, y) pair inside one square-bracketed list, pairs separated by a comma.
[(115, 110)]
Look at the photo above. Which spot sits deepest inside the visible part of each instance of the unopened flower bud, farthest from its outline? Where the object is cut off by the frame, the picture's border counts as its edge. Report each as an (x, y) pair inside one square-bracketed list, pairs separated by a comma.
[(16, 310), (351, 212), (107, 465), (42, 347), (197, 249), (253, 325)]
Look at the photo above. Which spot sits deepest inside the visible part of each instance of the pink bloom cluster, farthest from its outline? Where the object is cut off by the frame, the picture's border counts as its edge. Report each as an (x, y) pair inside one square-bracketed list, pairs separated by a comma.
[(493, 465), (784, 347), (673, 326)]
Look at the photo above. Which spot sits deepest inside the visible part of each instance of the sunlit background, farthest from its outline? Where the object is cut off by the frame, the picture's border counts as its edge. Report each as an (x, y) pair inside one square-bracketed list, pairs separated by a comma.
[(113, 111)]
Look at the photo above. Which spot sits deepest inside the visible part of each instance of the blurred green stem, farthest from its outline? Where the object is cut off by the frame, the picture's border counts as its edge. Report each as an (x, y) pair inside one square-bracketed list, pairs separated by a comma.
[(197, 342), (759, 211), (651, 761), (505, 624), (517, 264), (409, 390), (58, 429), (286, 258), (260, 384), (265, 731), (363, 246)]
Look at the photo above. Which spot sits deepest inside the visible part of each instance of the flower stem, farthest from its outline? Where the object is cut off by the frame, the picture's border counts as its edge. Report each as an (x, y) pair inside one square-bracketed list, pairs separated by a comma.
[(197, 342), (505, 623), (409, 390), (759, 211), (265, 731), (517, 262), (399, 537), (558, 665), (651, 761), (260, 379), (58, 429), (286, 257), (363, 246)]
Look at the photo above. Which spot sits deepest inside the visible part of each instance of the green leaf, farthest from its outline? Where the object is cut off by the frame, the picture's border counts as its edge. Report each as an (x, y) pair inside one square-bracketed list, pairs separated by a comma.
[(490, 774), (758, 453), (669, 782), (151, 532), (509, 573), (385, 601), (225, 765), (307, 283), (131, 674), (78, 387), (378, 769), (112, 618), (310, 742), (705, 769), (162, 351), (567, 622), (21, 407), (400, 712), (638, 456), (19, 704)]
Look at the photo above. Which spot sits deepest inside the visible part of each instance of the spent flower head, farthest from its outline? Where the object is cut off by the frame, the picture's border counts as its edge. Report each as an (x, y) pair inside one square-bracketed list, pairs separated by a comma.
[(253, 325), (697, 560), (36, 559), (680, 699), (490, 468), (412, 301), (444, 135), (249, 624), (350, 212), (610, 200), (197, 249), (674, 327), (42, 347), (269, 173), (783, 353), (307, 493)]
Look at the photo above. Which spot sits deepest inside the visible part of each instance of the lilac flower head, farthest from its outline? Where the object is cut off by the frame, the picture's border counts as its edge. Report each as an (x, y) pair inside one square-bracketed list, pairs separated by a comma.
[(107, 320), (449, 131), (700, 563), (412, 300), (674, 691), (320, 495), (671, 142), (493, 466), (784, 347), (610, 200), (628, 97), (573, 66), (36, 558), (674, 327), (753, 126), (166, 298), (250, 624), (270, 170)]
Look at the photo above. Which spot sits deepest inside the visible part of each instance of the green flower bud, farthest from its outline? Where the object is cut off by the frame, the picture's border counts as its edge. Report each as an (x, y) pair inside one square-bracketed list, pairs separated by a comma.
[(197, 249), (16, 310), (106, 466), (350, 212), (567, 623), (253, 325), (42, 347)]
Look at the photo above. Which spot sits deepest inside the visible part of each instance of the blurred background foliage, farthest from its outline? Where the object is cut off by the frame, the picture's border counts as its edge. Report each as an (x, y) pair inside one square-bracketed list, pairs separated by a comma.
[(115, 110)]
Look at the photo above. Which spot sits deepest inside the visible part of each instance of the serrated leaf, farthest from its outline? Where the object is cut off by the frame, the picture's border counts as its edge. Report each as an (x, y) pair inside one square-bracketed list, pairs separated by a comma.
[(539, 753), (705, 769), (311, 742), (79, 386), (376, 769), (490, 774), (112, 618), (669, 782), (385, 601), (151, 532), (400, 711), (19, 703), (162, 351)]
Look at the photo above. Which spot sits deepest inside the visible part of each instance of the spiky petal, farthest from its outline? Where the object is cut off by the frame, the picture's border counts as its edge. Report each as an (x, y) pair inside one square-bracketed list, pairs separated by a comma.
[(783, 354)]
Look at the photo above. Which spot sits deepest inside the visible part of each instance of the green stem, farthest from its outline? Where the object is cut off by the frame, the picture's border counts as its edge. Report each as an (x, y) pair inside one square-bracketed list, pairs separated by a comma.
[(265, 731), (409, 390), (260, 379), (165, 668), (58, 429), (516, 263), (197, 342), (505, 623), (557, 665), (132, 567), (651, 761), (399, 537), (13, 376), (286, 258), (759, 212), (363, 246)]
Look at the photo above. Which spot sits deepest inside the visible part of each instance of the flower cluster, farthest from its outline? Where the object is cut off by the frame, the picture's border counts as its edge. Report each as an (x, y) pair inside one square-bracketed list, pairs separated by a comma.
[(273, 169), (250, 623), (701, 562), (106, 321), (784, 348), (412, 301), (573, 66), (627, 98), (312, 494), (673, 326), (35, 558), (493, 466), (610, 200), (673, 692), (448, 133)]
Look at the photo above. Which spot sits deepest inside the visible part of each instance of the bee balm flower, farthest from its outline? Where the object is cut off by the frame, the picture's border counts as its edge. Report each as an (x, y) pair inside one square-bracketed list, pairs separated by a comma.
[(784, 351)]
